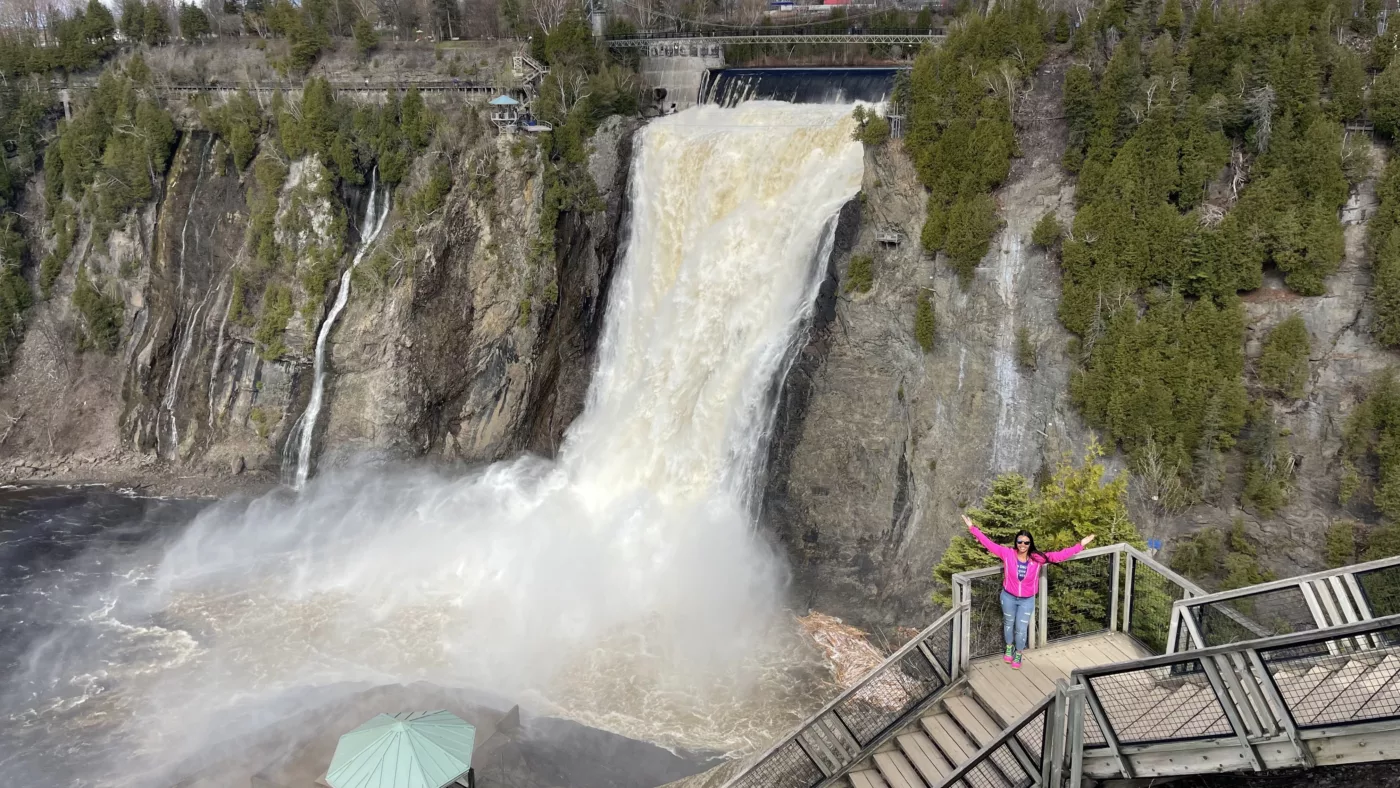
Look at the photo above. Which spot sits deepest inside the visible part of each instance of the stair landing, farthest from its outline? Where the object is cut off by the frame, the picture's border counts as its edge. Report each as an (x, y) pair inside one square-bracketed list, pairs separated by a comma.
[(1010, 693)]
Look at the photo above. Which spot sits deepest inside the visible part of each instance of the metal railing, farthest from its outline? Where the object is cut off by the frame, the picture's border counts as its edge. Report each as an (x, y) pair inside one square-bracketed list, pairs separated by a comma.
[(1017, 756), (1244, 705), (1113, 588), (1104, 589), (813, 35), (1305, 603), (853, 725)]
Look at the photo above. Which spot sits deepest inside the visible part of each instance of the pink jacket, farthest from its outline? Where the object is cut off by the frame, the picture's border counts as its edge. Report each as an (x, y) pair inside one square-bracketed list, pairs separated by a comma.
[(1029, 586)]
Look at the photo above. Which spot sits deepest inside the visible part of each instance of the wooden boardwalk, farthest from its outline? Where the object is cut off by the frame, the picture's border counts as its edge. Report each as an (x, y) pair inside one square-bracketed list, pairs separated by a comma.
[(1010, 693)]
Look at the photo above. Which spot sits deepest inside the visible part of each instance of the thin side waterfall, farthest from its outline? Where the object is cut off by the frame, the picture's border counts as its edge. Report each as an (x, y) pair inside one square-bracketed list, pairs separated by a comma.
[(172, 388), (370, 228)]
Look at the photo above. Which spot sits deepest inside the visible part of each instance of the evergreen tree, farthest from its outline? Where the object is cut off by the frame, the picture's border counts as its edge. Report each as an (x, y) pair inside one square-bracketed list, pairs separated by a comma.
[(1347, 87), (1283, 364), (925, 324), (1006, 509), (1385, 101), (194, 24)]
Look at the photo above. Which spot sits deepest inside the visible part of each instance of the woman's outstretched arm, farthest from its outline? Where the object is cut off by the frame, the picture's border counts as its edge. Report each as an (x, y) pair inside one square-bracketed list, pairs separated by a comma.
[(995, 549), (1056, 556)]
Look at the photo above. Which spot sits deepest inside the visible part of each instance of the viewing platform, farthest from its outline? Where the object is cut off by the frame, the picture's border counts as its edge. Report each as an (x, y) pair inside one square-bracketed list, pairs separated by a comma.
[(1133, 672)]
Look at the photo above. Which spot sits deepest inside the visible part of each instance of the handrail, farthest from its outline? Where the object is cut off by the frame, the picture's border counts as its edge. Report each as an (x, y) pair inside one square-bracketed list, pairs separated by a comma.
[(1007, 734), (1288, 582), (752, 32), (947, 619), (1276, 641)]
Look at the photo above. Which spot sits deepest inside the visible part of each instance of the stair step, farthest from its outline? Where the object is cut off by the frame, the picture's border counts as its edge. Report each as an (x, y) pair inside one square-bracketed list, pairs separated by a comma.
[(925, 757), (1298, 686), (1158, 721), (897, 771), (1384, 699), (973, 718), (955, 744), (867, 778), (1318, 703)]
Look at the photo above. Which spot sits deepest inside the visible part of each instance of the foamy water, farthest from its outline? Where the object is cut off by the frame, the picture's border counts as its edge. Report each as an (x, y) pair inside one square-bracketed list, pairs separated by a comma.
[(623, 585)]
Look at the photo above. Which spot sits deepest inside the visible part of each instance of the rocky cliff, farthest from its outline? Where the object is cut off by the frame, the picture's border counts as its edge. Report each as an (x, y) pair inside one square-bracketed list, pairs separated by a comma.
[(879, 445), (455, 348)]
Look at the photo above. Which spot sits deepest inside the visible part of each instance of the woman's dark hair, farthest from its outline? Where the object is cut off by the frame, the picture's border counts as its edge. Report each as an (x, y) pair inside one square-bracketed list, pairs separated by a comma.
[(1044, 559)]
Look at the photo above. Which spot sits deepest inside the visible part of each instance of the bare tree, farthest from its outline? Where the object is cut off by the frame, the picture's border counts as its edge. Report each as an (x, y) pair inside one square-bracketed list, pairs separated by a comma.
[(1261, 109), (548, 14)]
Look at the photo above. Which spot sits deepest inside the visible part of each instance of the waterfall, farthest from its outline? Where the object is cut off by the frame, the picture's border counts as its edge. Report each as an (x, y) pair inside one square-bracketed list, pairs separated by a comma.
[(624, 584), (369, 230), (172, 387)]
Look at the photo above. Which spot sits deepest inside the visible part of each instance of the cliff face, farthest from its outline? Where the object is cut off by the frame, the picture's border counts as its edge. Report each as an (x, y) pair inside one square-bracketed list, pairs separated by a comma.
[(438, 358), (879, 446)]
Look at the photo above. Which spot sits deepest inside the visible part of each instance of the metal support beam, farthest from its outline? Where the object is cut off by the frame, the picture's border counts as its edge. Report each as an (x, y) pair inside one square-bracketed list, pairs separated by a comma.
[(1232, 712), (1057, 730), (1110, 738), (1075, 733), (1280, 708)]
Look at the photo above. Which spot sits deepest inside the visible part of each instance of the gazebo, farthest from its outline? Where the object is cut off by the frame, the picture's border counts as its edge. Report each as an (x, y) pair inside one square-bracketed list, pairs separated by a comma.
[(416, 749), (505, 113)]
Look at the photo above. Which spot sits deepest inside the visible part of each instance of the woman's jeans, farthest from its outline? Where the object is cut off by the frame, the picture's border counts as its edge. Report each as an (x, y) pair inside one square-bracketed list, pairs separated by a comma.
[(1016, 614)]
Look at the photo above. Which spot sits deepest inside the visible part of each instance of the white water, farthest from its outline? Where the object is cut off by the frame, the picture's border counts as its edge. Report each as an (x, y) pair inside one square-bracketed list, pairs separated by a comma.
[(1009, 437), (172, 388), (622, 585), (369, 230)]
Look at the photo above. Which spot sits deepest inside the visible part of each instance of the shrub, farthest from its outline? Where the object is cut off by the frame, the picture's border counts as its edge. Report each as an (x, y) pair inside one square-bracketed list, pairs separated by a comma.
[(1268, 474), (860, 277), (925, 323), (1371, 442), (101, 314), (1047, 231), (1339, 544), (272, 325), (1283, 365), (1025, 349), (1219, 559)]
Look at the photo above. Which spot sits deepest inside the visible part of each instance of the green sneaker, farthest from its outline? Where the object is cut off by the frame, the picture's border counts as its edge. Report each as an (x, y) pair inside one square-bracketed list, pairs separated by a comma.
[(1016, 661), (1009, 651)]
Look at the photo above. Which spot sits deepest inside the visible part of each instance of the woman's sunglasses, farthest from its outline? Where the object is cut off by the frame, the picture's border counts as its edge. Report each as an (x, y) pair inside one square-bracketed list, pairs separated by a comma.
[(1020, 542)]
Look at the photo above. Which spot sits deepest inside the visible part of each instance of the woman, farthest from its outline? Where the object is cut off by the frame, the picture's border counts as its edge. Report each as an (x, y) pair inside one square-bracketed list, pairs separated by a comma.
[(1019, 583)]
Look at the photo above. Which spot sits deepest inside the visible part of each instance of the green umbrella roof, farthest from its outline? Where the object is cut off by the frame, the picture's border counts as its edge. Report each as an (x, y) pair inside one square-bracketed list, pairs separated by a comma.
[(416, 749)]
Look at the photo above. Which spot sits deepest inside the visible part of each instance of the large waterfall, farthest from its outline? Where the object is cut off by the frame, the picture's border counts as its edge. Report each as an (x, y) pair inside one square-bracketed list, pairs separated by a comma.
[(622, 585)]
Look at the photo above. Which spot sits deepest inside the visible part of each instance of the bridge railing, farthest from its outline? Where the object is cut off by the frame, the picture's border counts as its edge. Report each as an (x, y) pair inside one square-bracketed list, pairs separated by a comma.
[(1242, 705), (766, 32), (1310, 602), (850, 727), (1112, 588)]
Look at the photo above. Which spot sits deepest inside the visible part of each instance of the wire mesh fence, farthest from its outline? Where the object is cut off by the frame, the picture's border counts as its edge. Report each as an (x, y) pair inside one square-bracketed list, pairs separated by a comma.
[(867, 712), (1150, 612), (881, 701), (984, 617), (1168, 703), (1381, 588), (1338, 680), (789, 766), (1080, 596), (1278, 611), (1000, 767)]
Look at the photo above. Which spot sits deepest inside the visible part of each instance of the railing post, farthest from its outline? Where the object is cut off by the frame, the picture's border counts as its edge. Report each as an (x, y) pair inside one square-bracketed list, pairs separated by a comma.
[(1113, 591), (1128, 582), (1052, 753), (1041, 629), (1280, 709), (1075, 735)]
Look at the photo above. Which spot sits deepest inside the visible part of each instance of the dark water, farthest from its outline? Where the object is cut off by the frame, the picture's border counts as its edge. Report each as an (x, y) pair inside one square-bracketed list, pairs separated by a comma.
[(729, 86), (78, 641), (60, 549)]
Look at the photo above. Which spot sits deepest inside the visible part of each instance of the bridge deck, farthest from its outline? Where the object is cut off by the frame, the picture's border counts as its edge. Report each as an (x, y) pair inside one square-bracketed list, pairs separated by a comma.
[(1011, 693)]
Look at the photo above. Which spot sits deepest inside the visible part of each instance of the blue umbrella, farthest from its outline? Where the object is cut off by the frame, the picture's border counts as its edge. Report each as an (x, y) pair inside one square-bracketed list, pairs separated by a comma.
[(416, 749)]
